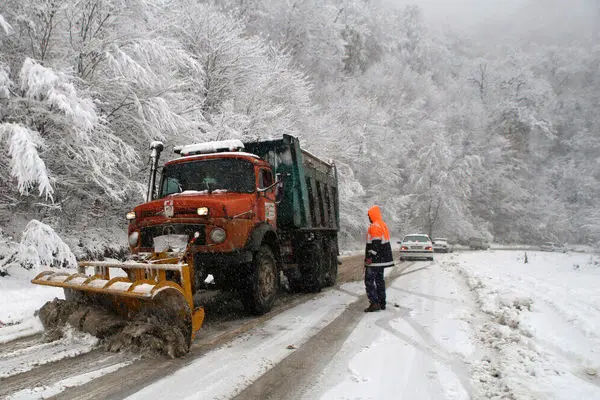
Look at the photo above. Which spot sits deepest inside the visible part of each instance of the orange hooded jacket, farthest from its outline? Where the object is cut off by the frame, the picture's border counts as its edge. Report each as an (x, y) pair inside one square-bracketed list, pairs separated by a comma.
[(378, 252)]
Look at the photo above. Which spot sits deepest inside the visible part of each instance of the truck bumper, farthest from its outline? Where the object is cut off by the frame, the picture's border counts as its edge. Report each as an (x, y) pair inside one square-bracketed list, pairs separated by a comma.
[(215, 261), (415, 255)]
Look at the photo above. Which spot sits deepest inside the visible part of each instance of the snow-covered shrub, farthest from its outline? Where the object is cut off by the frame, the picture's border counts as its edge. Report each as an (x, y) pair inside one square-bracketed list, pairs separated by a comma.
[(25, 162), (40, 247), (49, 248)]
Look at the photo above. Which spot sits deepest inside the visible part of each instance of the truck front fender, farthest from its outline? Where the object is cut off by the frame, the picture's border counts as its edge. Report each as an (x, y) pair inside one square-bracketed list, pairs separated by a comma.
[(263, 233)]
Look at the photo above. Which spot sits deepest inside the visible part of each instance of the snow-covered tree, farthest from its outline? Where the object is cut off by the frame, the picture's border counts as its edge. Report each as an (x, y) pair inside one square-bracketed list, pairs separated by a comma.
[(453, 133), (47, 125), (40, 247)]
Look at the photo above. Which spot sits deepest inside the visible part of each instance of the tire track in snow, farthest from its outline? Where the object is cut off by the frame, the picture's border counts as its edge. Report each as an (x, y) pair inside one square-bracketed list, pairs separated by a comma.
[(22, 359), (426, 296), (19, 344), (44, 391), (50, 373), (431, 348), (299, 370)]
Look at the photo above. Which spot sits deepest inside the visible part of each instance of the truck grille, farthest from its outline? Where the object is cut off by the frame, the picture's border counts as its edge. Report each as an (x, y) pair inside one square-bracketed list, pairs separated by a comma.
[(150, 232), (177, 211)]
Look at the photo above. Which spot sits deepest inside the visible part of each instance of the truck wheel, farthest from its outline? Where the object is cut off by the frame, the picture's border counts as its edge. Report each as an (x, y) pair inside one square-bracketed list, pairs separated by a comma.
[(263, 283), (331, 269), (312, 268)]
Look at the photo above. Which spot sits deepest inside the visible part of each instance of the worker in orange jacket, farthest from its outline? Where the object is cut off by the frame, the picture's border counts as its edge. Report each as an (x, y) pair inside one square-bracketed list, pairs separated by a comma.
[(378, 256)]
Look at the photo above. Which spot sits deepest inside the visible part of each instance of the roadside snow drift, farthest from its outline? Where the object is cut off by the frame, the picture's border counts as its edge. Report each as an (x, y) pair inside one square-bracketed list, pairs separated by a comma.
[(543, 325)]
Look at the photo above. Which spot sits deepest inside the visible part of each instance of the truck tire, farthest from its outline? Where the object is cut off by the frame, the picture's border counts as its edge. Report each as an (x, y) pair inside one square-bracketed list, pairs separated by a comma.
[(263, 282), (312, 268), (331, 266)]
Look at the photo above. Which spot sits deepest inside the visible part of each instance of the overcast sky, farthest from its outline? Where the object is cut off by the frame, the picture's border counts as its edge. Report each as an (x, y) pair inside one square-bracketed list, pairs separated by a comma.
[(456, 12), (549, 21)]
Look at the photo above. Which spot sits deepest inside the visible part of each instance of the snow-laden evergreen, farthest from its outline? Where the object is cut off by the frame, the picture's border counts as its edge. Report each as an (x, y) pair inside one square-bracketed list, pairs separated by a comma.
[(26, 165)]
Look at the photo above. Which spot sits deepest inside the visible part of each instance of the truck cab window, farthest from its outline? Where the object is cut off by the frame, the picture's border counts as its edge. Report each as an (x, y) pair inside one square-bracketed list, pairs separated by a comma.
[(265, 178), (171, 185)]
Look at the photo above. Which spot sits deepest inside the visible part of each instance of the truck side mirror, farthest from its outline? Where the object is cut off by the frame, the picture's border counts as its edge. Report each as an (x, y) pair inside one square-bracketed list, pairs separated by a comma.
[(279, 178)]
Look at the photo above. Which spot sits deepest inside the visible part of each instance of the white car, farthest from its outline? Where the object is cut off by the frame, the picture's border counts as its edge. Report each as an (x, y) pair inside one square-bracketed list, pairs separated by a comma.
[(416, 246), (441, 245)]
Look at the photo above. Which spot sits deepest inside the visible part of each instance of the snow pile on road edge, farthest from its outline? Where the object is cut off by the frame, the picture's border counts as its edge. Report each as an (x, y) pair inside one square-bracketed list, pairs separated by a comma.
[(520, 308)]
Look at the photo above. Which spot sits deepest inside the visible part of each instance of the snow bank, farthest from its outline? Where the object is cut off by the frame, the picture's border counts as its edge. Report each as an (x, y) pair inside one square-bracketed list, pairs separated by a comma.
[(40, 248), (18, 303), (544, 327)]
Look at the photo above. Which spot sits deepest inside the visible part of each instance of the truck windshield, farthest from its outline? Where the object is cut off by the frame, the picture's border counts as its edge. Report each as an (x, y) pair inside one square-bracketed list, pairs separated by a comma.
[(219, 174)]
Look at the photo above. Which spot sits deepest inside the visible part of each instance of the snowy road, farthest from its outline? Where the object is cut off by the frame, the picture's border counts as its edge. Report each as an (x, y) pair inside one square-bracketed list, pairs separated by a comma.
[(414, 349), (73, 368), (469, 325)]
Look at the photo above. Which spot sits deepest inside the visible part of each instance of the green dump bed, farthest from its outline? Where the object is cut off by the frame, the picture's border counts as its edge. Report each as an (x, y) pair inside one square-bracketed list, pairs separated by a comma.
[(310, 188)]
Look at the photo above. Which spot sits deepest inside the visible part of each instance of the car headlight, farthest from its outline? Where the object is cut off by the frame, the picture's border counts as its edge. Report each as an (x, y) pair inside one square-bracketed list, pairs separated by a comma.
[(202, 211), (133, 238), (130, 216), (218, 235)]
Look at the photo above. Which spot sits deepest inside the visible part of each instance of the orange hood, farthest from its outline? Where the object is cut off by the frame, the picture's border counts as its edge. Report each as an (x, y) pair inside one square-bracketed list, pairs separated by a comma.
[(220, 204), (375, 213)]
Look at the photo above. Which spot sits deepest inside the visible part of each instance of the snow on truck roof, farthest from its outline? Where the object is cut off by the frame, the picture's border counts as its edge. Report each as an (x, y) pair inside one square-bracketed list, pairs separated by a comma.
[(222, 153), (210, 147)]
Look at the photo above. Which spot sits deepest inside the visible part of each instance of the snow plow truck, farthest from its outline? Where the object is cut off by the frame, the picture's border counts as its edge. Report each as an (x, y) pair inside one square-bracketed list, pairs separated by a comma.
[(244, 214)]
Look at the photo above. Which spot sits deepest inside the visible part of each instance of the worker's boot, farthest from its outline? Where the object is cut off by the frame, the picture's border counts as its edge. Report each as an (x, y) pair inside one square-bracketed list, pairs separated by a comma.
[(373, 307)]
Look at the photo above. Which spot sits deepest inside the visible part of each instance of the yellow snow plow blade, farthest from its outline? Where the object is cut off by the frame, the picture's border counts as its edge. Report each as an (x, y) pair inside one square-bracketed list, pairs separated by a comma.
[(145, 289)]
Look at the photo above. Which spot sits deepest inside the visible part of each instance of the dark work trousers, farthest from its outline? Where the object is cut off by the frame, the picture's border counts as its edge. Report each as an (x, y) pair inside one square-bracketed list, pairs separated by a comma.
[(375, 284)]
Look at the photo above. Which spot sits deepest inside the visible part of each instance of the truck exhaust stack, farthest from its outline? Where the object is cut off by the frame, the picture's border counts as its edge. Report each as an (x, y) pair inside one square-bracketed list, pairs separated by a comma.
[(156, 148)]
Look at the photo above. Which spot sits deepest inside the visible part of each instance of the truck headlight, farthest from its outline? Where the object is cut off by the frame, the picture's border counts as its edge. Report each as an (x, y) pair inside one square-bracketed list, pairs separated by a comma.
[(130, 216), (133, 238), (202, 211), (218, 235)]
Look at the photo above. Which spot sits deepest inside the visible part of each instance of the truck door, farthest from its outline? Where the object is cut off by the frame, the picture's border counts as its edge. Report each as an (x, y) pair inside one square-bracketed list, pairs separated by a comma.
[(266, 199)]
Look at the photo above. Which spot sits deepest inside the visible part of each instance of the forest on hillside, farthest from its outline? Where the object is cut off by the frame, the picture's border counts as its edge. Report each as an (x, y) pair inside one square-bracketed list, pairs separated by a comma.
[(490, 131)]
